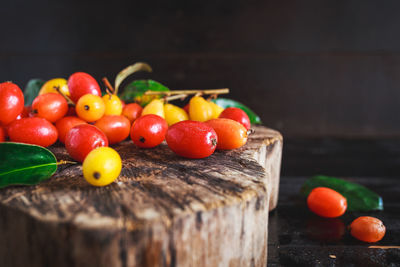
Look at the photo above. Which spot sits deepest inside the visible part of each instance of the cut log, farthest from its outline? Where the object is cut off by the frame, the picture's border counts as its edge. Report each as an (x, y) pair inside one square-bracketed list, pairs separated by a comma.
[(163, 210)]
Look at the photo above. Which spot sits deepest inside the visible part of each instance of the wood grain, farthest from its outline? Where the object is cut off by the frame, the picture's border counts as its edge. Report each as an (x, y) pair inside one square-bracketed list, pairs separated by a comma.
[(162, 211)]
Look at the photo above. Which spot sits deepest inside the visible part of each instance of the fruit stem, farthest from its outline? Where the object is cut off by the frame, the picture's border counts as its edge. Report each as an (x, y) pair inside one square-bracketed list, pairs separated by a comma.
[(109, 86), (69, 100), (189, 92), (174, 97), (62, 162)]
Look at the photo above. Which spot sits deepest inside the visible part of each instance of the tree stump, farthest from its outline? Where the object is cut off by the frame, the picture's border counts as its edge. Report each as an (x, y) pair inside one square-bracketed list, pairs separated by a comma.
[(163, 210)]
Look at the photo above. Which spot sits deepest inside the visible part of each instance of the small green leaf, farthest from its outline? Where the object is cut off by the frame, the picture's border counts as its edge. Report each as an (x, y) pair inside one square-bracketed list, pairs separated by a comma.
[(23, 164), (140, 66), (134, 91), (31, 91), (359, 198), (227, 103)]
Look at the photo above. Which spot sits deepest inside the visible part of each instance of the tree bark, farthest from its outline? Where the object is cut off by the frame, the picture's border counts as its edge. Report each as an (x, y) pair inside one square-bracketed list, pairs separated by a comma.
[(163, 210)]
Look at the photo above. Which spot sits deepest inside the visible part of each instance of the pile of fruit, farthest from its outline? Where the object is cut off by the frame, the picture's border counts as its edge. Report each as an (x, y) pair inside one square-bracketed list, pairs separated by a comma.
[(75, 113)]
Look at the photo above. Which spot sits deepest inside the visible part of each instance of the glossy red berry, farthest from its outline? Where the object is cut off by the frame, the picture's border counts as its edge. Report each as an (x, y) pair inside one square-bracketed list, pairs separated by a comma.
[(81, 83), (50, 106), (65, 124), (82, 139), (116, 128), (11, 102), (132, 111), (149, 131), (326, 202), (236, 114), (37, 131), (192, 139)]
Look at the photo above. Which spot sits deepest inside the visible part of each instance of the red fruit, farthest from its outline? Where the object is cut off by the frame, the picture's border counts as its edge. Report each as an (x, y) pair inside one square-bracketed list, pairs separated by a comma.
[(65, 124), (50, 106), (132, 111), (367, 229), (11, 102), (192, 139), (115, 127), (2, 134), (326, 202), (231, 134), (82, 139), (81, 83), (236, 114), (37, 131), (149, 131)]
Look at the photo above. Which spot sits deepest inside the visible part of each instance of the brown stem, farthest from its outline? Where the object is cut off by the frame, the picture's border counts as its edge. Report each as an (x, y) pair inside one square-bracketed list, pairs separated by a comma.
[(108, 85), (174, 97), (62, 162), (69, 100), (190, 92)]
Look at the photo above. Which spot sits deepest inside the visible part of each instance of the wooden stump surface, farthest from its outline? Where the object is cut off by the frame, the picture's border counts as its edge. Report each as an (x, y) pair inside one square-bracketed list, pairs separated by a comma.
[(163, 210)]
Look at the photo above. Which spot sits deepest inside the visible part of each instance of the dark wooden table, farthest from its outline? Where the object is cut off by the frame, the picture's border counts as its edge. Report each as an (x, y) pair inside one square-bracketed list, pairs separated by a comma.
[(299, 238)]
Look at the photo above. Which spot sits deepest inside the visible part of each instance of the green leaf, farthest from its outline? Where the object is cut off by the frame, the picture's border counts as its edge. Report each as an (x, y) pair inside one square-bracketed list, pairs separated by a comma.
[(359, 198), (140, 66), (23, 164), (134, 91), (227, 103), (31, 91)]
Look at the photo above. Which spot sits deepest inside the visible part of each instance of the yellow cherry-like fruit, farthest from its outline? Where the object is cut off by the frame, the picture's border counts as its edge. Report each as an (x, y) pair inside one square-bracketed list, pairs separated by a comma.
[(174, 114), (50, 86), (156, 106), (200, 109), (102, 166), (113, 105), (90, 107)]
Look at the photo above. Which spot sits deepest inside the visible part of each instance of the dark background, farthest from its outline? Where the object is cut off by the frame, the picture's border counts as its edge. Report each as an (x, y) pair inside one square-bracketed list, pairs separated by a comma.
[(309, 68), (312, 69)]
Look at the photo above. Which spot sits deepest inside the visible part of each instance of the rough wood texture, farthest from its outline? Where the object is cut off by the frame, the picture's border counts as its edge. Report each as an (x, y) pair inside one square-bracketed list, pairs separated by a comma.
[(162, 211)]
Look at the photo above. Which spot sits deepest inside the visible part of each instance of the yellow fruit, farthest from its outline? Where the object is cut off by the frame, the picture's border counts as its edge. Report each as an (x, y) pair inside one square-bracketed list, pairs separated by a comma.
[(156, 107), (200, 109), (174, 114), (217, 110), (102, 166), (90, 107), (48, 87), (113, 105)]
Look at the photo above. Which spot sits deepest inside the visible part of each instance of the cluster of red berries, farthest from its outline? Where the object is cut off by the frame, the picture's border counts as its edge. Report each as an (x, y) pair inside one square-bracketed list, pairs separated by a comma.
[(96, 121)]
